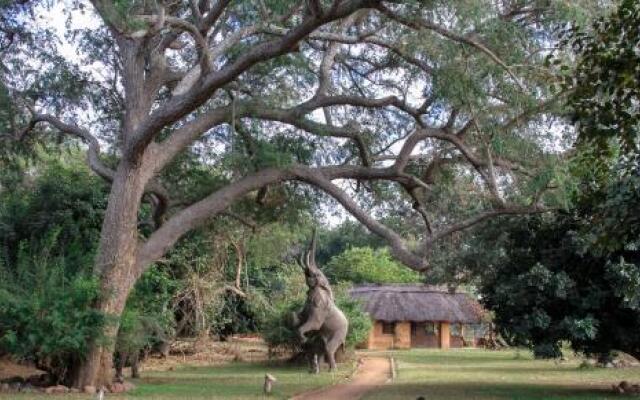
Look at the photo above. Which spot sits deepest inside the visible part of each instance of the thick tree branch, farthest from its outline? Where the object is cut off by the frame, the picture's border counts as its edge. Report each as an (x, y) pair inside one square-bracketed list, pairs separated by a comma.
[(213, 15), (93, 153), (398, 246), (179, 106), (294, 116), (180, 24), (198, 213)]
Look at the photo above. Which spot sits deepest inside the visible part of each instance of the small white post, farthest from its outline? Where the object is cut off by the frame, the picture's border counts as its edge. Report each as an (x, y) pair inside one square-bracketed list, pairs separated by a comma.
[(393, 368), (269, 380)]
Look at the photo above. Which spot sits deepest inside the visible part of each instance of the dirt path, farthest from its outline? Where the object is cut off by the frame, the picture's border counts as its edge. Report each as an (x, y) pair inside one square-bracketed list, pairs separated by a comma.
[(372, 372)]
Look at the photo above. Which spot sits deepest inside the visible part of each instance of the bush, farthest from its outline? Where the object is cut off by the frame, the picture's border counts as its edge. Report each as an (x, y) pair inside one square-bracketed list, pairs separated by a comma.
[(148, 318), (46, 317), (50, 222)]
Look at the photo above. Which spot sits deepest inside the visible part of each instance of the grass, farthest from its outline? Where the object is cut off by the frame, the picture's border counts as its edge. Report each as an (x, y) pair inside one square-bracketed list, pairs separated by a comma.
[(237, 381), (484, 375), (433, 374)]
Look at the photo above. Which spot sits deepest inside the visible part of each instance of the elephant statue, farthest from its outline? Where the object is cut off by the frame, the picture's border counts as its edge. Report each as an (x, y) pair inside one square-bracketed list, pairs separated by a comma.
[(320, 313)]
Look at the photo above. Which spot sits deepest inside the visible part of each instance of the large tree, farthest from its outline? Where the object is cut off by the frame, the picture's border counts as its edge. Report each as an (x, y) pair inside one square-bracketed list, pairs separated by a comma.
[(404, 100)]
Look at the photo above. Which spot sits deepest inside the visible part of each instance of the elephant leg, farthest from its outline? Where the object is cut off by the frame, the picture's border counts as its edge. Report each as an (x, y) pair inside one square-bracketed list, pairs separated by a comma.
[(314, 368), (331, 346), (330, 359), (134, 361)]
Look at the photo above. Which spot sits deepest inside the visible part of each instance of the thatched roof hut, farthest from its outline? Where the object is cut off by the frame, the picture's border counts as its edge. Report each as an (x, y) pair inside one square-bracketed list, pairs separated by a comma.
[(417, 303), (417, 315)]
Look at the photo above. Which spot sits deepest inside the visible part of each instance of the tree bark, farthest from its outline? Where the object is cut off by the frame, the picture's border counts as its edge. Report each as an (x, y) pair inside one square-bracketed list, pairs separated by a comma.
[(115, 267)]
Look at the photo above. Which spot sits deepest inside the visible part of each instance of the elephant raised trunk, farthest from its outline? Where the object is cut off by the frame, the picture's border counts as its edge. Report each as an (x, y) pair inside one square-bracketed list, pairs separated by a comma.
[(320, 312)]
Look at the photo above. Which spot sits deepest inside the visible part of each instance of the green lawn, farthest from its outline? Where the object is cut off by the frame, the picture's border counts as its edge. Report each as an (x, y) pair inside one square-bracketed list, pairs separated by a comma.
[(230, 381), (434, 374), (480, 374)]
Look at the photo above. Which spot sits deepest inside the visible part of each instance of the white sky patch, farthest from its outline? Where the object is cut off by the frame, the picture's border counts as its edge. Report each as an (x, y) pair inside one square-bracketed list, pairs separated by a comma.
[(56, 17)]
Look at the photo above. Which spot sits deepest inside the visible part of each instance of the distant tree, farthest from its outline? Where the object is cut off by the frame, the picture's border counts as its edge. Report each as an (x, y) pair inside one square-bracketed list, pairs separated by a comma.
[(365, 265), (335, 240)]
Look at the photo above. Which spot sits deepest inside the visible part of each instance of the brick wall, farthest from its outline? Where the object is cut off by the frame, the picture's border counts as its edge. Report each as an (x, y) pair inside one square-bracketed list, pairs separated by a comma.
[(377, 339)]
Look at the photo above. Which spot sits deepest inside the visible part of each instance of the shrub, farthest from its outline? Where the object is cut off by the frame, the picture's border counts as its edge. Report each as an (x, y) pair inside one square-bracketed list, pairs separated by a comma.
[(49, 225), (46, 317), (148, 319)]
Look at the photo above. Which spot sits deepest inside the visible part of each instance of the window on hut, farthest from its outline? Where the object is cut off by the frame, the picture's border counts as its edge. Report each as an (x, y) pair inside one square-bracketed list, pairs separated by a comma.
[(456, 330), (388, 328), (469, 333), (431, 328)]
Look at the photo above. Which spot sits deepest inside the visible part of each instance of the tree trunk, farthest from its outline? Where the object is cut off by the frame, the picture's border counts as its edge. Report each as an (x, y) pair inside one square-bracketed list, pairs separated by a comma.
[(115, 267)]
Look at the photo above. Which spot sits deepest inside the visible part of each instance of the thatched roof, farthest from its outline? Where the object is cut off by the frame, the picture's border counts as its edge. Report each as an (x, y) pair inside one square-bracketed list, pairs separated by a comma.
[(417, 303)]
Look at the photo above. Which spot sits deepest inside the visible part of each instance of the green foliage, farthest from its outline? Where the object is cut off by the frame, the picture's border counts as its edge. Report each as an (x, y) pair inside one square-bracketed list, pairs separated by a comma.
[(240, 314), (148, 318), (46, 315), (575, 275), (549, 283), (49, 225), (58, 195), (565, 276), (606, 79), (337, 240), (366, 265), (277, 328)]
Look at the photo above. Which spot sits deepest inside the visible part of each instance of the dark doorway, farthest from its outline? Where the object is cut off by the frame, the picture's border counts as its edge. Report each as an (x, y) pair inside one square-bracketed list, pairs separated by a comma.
[(425, 334)]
